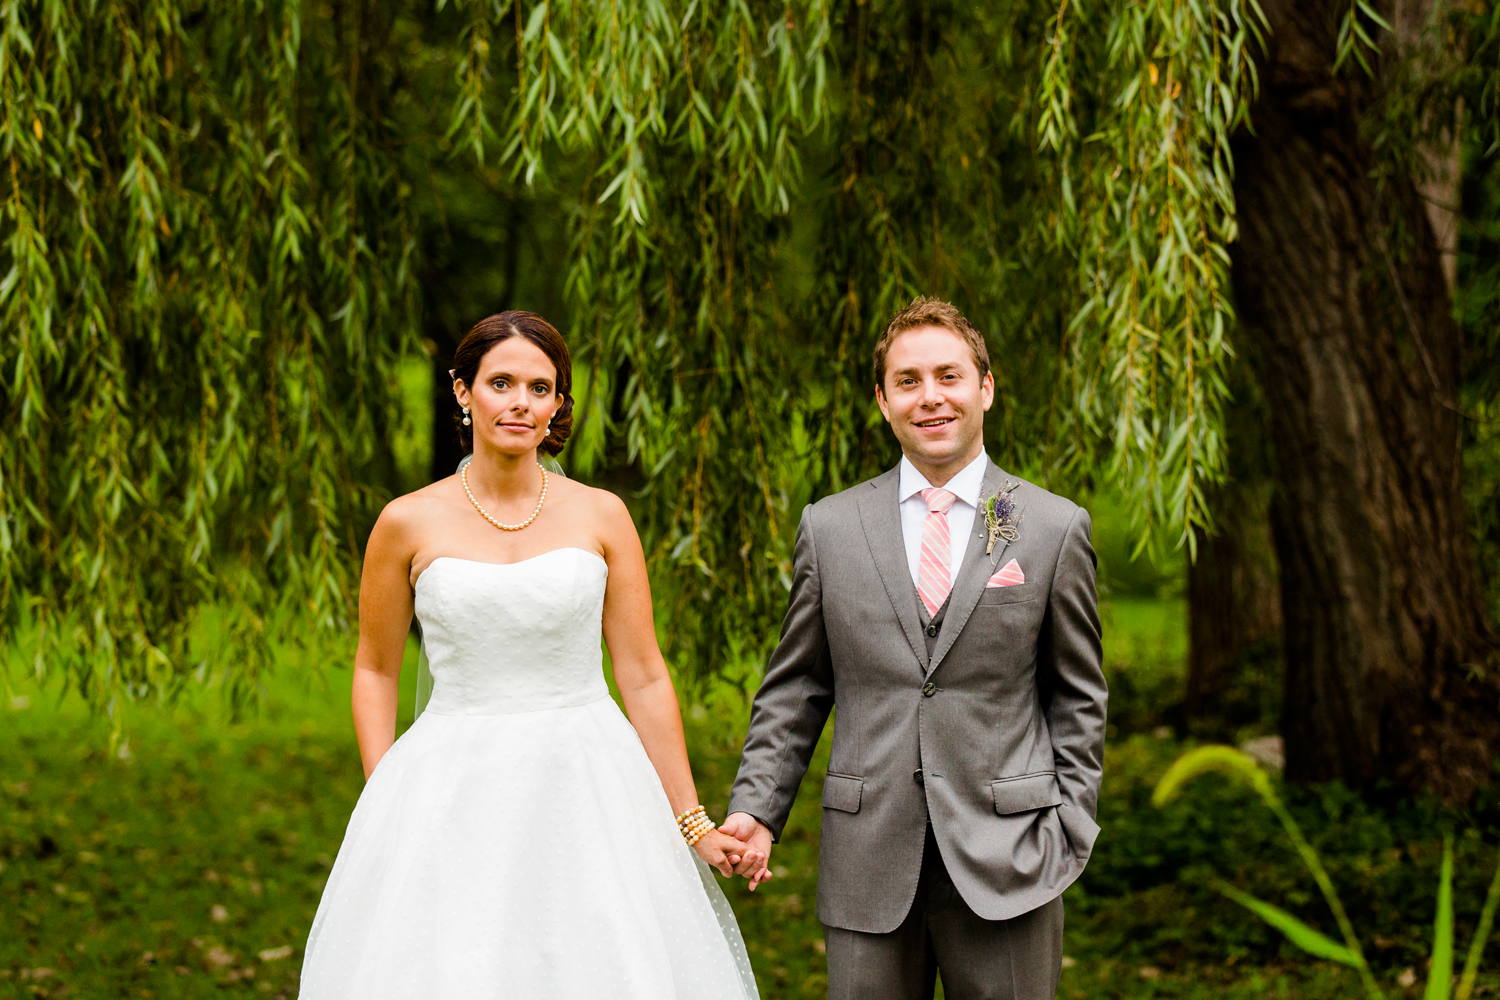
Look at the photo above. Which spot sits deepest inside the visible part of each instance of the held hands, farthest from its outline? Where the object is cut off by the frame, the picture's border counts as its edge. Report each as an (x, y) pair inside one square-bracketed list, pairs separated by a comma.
[(756, 838), (720, 850), (723, 852), (742, 846)]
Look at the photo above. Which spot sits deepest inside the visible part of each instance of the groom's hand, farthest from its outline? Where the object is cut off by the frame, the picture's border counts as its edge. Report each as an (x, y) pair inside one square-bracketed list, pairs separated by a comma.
[(754, 865), (720, 852)]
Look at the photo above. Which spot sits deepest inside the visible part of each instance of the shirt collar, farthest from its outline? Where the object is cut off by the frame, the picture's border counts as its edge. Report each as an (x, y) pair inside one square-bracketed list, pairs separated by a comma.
[(965, 485)]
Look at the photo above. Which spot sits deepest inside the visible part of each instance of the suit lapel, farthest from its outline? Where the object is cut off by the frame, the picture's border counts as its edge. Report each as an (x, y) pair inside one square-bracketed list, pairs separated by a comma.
[(975, 572), (880, 516)]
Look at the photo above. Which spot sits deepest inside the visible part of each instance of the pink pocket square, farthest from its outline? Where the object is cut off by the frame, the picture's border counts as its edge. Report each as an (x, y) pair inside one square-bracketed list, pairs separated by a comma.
[(1008, 576)]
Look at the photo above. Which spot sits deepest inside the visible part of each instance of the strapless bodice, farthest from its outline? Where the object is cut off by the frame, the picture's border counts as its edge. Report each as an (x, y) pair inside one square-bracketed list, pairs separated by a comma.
[(504, 638)]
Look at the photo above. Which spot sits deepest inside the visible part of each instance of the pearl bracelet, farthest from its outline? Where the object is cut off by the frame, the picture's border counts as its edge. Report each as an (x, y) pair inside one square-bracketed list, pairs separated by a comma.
[(694, 825), (691, 817)]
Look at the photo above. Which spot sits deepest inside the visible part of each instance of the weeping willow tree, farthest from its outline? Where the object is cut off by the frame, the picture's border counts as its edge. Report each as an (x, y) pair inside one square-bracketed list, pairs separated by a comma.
[(226, 227), (205, 283)]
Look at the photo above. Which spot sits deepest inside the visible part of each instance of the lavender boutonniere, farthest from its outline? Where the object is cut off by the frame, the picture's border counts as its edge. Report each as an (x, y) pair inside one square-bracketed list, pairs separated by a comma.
[(1000, 518)]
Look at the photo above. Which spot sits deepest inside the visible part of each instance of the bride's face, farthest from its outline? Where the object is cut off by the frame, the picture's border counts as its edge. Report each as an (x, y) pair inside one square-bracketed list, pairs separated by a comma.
[(513, 397)]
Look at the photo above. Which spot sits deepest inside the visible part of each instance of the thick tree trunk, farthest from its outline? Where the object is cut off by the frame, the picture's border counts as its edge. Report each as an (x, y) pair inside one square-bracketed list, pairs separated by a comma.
[(1234, 619), (1390, 657), (1234, 597)]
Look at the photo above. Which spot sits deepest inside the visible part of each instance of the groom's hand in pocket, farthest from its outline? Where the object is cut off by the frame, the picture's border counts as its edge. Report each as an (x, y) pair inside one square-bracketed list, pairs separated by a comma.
[(754, 865)]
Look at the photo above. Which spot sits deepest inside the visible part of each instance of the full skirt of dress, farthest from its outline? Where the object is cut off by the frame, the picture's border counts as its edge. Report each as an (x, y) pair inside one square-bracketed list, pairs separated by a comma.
[(528, 855)]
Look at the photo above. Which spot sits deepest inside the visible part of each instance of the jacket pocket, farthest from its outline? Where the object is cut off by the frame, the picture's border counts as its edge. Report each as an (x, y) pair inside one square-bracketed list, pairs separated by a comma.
[(842, 792), (1019, 593), (1026, 792)]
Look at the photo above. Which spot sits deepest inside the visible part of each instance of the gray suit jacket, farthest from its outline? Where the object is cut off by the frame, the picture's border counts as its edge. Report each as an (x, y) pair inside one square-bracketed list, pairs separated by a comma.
[(997, 734)]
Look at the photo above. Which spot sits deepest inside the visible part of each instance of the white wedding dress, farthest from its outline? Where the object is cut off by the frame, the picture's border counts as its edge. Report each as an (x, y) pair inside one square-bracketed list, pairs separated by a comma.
[(516, 841)]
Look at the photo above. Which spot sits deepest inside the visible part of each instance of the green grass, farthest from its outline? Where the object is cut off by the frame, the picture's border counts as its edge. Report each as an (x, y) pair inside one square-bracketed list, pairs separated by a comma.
[(168, 869), (165, 867)]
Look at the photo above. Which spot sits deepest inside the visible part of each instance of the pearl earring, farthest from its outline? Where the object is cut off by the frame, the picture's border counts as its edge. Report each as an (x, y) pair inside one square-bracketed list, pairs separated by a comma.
[(467, 421)]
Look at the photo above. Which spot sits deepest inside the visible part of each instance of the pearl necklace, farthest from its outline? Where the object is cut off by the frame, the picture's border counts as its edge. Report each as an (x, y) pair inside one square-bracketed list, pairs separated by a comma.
[(464, 476)]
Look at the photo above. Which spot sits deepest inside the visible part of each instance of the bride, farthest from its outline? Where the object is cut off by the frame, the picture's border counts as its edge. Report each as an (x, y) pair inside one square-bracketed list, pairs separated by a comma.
[(518, 840)]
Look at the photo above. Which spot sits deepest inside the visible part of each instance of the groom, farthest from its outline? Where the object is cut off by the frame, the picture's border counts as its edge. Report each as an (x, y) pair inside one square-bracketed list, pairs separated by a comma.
[(948, 610)]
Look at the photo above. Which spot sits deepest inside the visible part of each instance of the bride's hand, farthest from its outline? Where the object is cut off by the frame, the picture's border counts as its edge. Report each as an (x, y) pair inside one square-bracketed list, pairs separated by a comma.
[(722, 851), (758, 838)]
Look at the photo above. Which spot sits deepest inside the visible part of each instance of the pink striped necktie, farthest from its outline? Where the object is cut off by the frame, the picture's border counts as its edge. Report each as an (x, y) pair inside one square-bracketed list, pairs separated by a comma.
[(934, 572)]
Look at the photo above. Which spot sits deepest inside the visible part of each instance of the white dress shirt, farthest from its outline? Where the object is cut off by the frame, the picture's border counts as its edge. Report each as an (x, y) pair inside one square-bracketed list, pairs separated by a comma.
[(965, 486)]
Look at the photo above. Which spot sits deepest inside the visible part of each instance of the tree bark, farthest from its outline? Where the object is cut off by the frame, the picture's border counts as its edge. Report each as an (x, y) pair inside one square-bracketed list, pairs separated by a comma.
[(1338, 277), (1234, 618), (1234, 597)]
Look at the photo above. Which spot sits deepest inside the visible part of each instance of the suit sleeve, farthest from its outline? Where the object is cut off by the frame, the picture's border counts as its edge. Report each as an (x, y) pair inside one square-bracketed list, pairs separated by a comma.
[(1071, 663), (793, 702)]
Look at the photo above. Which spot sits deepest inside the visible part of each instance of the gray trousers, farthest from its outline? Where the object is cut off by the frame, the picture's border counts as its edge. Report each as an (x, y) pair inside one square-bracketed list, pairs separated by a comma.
[(1018, 959)]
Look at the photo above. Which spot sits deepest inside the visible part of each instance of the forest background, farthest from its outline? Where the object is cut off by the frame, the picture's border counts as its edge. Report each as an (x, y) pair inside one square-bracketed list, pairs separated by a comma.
[(1236, 263)]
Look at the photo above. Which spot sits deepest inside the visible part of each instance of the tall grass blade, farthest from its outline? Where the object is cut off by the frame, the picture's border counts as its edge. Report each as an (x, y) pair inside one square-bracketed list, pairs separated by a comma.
[(1203, 760), (1440, 979), (1243, 767), (1481, 936), (1309, 940)]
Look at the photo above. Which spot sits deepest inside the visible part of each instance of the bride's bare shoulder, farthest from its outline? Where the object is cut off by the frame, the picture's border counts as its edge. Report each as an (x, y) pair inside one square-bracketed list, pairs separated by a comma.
[(604, 511), (407, 513), (588, 500)]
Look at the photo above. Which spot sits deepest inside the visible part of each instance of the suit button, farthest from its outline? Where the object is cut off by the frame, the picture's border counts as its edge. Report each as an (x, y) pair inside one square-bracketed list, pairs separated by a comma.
[(932, 630), (929, 689), (917, 776)]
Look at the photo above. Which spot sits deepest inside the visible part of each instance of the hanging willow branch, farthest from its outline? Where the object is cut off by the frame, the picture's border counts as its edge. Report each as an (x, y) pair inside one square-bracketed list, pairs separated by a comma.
[(1144, 171), (208, 273), (692, 122), (204, 280), (742, 385)]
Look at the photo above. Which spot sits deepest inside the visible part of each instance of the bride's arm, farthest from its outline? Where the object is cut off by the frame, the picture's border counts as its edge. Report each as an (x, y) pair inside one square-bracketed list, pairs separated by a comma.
[(642, 677), (385, 609)]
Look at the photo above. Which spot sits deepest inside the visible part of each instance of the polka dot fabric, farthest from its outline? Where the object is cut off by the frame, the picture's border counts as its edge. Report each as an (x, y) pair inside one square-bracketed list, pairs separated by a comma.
[(516, 841)]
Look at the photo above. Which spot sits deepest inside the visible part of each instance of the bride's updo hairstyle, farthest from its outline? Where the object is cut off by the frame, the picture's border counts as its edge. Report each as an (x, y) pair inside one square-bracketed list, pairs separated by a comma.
[(518, 323)]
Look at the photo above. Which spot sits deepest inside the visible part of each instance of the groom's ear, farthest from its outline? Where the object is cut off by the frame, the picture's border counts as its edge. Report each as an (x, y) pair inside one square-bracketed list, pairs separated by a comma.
[(987, 390), (885, 410)]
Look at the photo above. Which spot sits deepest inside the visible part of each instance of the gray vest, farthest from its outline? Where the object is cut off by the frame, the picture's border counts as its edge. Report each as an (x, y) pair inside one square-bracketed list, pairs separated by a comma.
[(932, 631), (932, 625)]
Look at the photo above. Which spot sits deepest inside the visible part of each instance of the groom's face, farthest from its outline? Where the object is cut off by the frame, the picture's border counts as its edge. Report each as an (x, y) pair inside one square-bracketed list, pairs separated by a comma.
[(934, 397)]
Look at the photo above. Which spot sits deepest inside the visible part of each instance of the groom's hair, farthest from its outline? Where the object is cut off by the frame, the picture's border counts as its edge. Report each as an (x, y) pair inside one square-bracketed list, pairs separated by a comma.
[(930, 312)]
